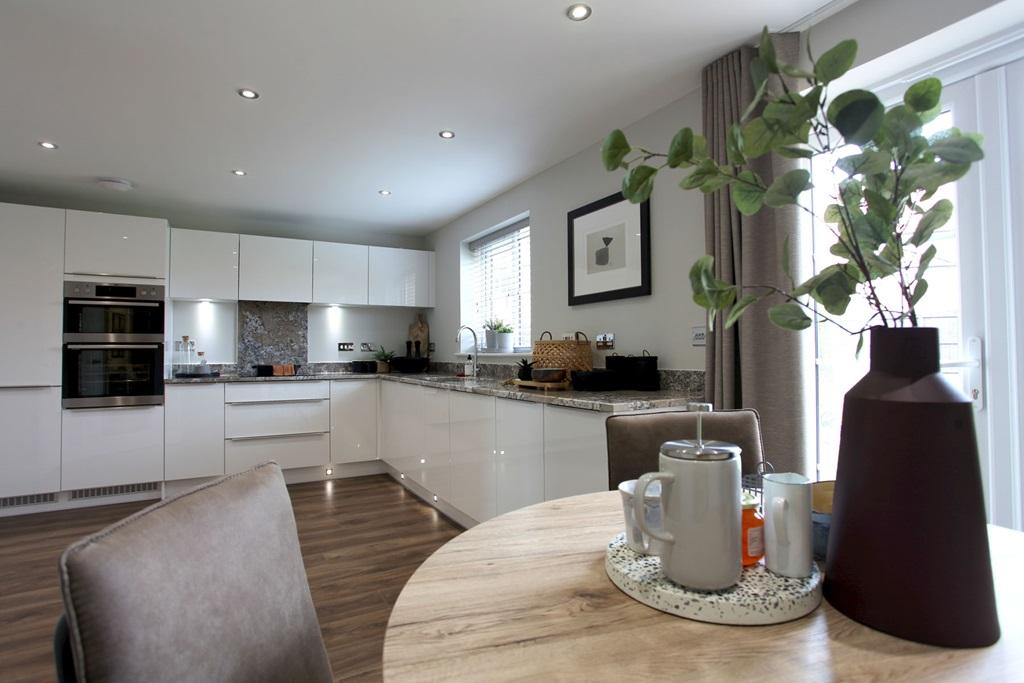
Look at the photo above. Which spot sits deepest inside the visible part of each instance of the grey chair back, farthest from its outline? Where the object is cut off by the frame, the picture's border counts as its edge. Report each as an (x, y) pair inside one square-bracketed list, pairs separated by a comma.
[(634, 441), (205, 586)]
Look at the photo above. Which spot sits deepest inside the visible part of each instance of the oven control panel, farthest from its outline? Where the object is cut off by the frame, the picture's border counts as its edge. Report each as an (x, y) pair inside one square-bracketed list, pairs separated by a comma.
[(99, 290)]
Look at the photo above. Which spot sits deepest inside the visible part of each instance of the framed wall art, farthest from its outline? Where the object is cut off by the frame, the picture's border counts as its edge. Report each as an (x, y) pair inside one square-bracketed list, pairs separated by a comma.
[(609, 250)]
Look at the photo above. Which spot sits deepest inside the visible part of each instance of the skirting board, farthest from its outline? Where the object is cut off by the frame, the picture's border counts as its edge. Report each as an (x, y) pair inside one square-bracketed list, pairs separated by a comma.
[(442, 506)]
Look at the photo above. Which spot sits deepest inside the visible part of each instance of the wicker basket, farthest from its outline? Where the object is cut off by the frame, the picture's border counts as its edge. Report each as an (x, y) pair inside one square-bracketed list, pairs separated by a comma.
[(572, 354)]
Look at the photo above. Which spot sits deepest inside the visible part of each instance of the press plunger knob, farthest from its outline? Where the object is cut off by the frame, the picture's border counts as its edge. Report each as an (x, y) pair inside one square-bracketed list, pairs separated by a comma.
[(700, 408)]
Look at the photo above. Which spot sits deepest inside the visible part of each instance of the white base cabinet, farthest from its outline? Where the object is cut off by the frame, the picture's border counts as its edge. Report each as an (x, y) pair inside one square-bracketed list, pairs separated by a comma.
[(519, 440), (29, 441), (112, 446), (575, 452), (299, 450), (473, 483), (399, 424), (194, 424), (354, 420)]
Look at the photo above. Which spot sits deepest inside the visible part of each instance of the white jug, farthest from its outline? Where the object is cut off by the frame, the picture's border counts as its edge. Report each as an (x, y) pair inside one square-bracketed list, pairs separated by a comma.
[(701, 541)]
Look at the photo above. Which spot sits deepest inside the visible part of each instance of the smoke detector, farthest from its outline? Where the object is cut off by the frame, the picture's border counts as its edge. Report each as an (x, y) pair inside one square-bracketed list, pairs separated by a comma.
[(118, 184)]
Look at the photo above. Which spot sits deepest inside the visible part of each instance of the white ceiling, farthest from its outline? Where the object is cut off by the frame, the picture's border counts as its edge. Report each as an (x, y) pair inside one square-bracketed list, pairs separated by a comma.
[(354, 93)]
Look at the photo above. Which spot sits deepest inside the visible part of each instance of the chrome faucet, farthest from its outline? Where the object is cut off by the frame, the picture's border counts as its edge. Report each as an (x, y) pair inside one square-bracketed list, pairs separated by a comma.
[(476, 344)]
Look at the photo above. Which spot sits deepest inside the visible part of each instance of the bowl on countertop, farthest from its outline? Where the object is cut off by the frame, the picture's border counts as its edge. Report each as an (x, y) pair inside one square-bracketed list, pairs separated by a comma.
[(549, 374)]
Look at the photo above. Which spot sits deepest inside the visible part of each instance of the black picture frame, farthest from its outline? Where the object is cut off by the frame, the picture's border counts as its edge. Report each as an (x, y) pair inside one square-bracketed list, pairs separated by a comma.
[(644, 288)]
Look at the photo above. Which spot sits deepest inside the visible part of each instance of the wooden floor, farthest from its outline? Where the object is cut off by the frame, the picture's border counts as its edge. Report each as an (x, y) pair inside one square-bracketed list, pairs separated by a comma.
[(361, 540)]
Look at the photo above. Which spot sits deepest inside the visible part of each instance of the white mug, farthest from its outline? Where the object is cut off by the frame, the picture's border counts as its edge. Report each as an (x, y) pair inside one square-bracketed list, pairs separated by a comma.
[(636, 539), (787, 524)]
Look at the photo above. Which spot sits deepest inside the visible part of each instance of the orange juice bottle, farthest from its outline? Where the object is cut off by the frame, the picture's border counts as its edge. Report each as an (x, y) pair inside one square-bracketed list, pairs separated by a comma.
[(753, 531)]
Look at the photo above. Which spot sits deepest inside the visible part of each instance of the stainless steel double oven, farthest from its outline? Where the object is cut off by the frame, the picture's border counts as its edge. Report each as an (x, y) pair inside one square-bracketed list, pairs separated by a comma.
[(113, 345)]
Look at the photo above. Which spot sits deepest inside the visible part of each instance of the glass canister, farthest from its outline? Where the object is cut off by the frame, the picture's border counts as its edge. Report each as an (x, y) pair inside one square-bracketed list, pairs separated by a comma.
[(753, 531)]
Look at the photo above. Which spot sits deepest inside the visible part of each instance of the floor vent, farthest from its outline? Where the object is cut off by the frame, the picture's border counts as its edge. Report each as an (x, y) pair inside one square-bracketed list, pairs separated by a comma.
[(122, 490), (35, 499)]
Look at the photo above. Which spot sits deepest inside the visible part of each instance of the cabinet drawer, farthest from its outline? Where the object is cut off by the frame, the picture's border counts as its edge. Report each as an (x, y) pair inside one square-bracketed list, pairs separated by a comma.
[(306, 450), (264, 419), (280, 390)]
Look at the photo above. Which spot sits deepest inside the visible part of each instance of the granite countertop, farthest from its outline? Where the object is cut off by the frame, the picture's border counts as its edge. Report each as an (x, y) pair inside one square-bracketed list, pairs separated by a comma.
[(603, 401)]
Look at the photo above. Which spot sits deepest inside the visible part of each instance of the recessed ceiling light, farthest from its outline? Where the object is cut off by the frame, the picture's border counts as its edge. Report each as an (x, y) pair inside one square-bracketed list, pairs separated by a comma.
[(238, 172), (384, 193), (248, 93), (46, 144), (578, 12), (447, 134)]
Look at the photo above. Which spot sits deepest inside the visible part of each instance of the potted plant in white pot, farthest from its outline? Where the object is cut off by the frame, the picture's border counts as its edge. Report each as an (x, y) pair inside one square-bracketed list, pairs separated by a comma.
[(904, 427), (498, 337)]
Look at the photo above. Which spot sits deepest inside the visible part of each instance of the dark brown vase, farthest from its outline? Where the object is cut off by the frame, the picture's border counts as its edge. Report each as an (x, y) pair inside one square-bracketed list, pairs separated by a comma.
[(908, 549)]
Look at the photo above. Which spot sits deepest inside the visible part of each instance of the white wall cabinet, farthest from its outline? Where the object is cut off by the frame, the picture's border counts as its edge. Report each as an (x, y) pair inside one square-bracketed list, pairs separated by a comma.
[(204, 265), (519, 440), (575, 452), (112, 446), (340, 273), (109, 244), (275, 269), (400, 277), (29, 441), (473, 484), (194, 425), (31, 279), (354, 420)]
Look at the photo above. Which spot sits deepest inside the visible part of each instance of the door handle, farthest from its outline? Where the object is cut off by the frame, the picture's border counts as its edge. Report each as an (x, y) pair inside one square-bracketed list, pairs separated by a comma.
[(108, 347)]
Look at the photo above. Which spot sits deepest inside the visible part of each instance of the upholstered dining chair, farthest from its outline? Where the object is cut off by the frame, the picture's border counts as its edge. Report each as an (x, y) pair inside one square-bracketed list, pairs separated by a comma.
[(208, 585), (634, 441)]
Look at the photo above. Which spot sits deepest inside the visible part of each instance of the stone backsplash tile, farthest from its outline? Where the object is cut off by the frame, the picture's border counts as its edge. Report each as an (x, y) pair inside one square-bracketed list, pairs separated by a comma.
[(271, 333)]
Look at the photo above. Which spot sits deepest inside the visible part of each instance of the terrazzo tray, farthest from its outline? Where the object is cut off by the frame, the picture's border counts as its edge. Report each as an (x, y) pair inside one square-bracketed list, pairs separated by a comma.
[(759, 598)]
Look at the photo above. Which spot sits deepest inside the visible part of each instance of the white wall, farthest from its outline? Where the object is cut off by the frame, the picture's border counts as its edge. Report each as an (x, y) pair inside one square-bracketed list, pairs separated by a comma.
[(212, 324), (329, 325), (661, 322)]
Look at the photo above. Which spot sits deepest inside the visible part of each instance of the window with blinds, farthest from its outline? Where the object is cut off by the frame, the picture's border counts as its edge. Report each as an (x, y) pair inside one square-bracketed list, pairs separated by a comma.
[(499, 276)]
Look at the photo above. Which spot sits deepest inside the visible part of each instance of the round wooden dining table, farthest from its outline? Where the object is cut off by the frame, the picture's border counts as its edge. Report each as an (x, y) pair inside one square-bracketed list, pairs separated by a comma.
[(525, 596)]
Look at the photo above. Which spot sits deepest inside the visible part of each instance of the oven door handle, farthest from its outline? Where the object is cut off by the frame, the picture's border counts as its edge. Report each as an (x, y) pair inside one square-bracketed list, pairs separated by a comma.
[(88, 302), (89, 347)]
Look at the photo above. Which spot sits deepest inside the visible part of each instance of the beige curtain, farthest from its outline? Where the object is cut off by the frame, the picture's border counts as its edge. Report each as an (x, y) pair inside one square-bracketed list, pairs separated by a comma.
[(755, 364)]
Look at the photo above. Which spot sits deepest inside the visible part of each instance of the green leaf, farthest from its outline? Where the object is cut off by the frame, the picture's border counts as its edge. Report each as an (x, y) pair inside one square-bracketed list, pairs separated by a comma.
[(698, 176), (705, 264), (681, 149), (836, 62), (919, 292), (857, 115), (868, 162), (795, 152), (614, 149), (926, 260), (957, 150), (734, 145), (900, 128), (834, 289), (786, 266), (748, 195), (715, 183), (833, 214), (766, 52), (789, 316), (787, 189), (933, 219), (930, 176), (638, 183), (700, 147), (924, 95), (879, 205), (738, 309), (759, 77), (795, 72), (860, 345)]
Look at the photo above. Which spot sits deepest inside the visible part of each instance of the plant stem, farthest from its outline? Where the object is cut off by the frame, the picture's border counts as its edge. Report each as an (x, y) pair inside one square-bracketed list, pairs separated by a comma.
[(789, 297)]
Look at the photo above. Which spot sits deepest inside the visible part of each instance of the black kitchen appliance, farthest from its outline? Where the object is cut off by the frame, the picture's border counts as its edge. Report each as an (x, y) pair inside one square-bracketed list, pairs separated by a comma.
[(639, 373)]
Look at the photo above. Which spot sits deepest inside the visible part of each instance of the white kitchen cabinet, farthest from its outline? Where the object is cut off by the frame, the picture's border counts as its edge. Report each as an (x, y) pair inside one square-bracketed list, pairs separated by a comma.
[(289, 451), (112, 446), (400, 425), (276, 390), (109, 244), (31, 279), (275, 269), (519, 440), (400, 277), (277, 418), (473, 485), (193, 431), (431, 454), (575, 452), (204, 265), (354, 420), (29, 441), (340, 273)]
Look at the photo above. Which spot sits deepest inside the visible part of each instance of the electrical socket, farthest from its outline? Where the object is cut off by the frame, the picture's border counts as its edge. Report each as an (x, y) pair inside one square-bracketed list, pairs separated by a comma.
[(605, 341), (699, 336), (367, 347), (346, 346)]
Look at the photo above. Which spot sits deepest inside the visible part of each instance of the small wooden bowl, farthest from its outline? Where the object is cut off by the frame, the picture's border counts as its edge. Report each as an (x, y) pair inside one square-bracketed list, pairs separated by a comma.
[(549, 374)]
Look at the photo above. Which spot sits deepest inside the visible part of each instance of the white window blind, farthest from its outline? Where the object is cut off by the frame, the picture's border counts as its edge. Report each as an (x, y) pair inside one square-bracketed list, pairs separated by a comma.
[(499, 274)]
